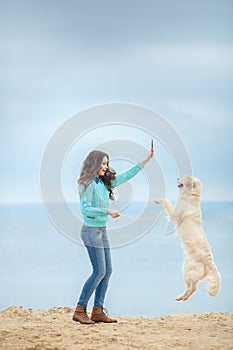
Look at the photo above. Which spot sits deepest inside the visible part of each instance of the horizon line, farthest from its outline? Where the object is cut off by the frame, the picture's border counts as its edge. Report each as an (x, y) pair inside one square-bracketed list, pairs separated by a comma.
[(77, 202)]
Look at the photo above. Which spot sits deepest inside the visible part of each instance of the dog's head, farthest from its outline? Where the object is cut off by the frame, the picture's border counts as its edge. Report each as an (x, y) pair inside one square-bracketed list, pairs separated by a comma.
[(190, 184)]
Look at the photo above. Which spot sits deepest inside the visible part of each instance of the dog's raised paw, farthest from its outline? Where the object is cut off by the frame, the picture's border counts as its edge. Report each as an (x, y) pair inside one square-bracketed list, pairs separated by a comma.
[(158, 201)]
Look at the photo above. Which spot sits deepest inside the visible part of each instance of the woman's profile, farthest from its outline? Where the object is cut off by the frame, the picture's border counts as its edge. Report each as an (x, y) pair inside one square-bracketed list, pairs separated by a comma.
[(96, 183)]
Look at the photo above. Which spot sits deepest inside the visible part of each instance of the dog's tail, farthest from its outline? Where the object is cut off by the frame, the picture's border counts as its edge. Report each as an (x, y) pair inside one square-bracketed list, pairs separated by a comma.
[(214, 281)]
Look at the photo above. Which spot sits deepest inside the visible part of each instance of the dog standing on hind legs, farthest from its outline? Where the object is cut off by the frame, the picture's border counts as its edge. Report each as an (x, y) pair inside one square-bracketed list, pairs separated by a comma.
[(199, 264)]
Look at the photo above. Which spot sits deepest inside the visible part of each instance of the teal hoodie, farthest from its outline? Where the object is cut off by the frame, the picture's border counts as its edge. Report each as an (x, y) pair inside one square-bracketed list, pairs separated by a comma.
[(94, 200)]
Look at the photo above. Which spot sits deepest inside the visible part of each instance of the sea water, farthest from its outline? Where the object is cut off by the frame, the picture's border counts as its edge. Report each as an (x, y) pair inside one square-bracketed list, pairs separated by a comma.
[(41, 268)]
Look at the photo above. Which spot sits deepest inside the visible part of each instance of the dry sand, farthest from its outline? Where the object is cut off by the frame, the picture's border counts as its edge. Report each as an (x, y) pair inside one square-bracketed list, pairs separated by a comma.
[(54, 330)]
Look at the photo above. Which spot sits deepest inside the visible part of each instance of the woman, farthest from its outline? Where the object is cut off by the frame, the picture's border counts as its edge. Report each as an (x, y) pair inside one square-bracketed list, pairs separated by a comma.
[(96, 185)]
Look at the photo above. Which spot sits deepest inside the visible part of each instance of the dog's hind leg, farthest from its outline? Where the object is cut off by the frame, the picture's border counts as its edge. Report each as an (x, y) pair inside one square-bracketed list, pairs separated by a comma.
[(191, 286), (214, 280), (193, 273)]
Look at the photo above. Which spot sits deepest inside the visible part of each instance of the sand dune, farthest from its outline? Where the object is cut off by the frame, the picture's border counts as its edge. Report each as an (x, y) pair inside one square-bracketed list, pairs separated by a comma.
[(54, 329)]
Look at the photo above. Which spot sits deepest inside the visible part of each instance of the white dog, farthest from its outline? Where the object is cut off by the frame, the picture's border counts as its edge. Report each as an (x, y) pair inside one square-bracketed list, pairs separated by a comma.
[(199, 264)]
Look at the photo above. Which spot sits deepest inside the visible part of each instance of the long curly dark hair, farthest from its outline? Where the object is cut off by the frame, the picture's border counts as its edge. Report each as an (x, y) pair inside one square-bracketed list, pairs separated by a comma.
[(90, 168)]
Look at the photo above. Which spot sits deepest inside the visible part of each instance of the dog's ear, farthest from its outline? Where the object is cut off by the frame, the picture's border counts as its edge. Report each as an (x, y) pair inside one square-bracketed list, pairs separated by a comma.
[(196, 183), (196, 187)]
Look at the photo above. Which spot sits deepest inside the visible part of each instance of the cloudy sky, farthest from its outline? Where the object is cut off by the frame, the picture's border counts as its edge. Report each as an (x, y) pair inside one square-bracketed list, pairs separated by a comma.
[(61, 57)]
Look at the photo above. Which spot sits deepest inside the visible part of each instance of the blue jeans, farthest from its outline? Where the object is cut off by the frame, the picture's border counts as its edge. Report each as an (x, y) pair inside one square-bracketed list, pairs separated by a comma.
[(96, 242)]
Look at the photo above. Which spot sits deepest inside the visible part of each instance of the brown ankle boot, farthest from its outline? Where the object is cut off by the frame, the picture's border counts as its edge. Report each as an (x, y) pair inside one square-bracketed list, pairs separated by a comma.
[(80, 315), (98, 315)]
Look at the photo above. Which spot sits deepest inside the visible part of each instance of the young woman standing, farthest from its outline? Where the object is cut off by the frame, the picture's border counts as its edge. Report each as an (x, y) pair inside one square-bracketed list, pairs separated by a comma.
[(96, 185)]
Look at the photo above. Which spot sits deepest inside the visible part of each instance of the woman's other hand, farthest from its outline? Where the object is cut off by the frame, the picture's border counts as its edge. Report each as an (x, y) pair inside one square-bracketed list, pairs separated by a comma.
[(114, 213)]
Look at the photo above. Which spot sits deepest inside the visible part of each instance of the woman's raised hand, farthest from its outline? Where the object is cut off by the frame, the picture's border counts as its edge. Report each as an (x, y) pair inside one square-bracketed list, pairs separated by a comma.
[(149, 156)]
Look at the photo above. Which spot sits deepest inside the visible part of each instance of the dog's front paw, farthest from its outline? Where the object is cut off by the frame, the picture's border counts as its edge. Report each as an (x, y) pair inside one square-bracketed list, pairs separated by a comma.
[(159, 201)]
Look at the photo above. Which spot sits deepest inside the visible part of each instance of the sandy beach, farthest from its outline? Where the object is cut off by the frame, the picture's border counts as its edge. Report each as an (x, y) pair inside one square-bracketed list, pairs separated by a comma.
[(53, 329)]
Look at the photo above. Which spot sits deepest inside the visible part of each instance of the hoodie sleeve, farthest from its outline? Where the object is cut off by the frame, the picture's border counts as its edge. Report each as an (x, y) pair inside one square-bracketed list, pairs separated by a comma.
[(127, 175)]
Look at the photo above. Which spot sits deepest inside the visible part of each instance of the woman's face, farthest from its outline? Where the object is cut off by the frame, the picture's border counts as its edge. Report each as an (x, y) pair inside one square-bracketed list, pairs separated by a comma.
[(103, 167)]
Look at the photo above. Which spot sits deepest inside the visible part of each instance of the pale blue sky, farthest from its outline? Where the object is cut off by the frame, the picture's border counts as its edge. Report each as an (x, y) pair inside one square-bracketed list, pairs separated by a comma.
[(60, 57)]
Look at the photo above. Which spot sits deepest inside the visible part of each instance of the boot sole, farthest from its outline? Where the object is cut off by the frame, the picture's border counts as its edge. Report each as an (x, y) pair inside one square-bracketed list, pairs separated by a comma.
[(74, 319), (104, 322)]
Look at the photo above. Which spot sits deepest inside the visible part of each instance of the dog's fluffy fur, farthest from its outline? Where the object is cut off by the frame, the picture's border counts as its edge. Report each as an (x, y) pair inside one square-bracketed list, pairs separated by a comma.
[(199, 264)]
